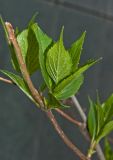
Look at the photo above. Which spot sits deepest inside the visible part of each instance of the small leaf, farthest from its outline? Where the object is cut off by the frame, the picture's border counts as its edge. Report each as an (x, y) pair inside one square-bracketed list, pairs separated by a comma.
[(5, 30), (92, 126), (32, 56), (99, 114), (11, 48), (58, 62), (44, 42), (54, 103), (98, 98), (108, 151), (14, 60), (23, 42), (105, 130), (71, 84), (99, 117), (108, 109), (19, 82), (75, 51), (85, 67), (68, 87), (17, 31), (30, 49), (32, 20)]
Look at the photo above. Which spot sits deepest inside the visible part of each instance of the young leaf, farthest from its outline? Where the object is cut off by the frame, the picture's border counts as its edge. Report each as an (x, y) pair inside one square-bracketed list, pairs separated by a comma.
[(32, 56), (17, 31), (44, 42), (54, 103), (23, 42), (14, 60), (19, 82), (108, 150), (100, 117), (105, 130), (108, 109), (32, 20), (85, 67), (58, 62), (92, 126), (30, 49), (75, 51), (11, 48), (4, 27), (68, 87)]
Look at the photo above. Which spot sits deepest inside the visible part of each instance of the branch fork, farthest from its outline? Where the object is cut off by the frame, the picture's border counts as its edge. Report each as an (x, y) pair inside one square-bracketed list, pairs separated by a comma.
[(36, 95)]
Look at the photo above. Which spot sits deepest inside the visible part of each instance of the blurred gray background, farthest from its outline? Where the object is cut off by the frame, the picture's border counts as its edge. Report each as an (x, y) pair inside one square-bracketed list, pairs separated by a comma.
[(25, 132)]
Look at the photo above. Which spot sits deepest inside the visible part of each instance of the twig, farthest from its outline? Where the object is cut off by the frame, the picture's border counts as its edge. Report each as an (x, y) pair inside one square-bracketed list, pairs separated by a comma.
[(64, 137), (84, 118), (35, 94), (79, 108), (99, 152), (79, 124), (63, 114), (6, 80)]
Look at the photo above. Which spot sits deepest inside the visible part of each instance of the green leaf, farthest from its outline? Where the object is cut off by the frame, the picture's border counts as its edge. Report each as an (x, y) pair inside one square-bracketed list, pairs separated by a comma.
[(100, 118), (92, 125), (75, 51), (44, 43), (4, 27), (19, 82), (11, 48), (32, 56), (30, 49), (23, 42), (108, 109), (105, 130), (17, 31), (108, 151), (99, 114), (58, 62), (53, 103), (68, 87), (14, 60), (32, 20), (85, 67)]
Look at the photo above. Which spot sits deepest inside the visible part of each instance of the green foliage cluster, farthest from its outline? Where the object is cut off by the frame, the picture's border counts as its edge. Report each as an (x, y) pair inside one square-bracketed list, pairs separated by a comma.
[(100, 122), (59, 67), (62, 76)]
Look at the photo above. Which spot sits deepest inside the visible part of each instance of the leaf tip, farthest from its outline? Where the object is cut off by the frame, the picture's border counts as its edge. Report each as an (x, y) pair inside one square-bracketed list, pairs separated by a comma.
[(33, 19), (61, 33)]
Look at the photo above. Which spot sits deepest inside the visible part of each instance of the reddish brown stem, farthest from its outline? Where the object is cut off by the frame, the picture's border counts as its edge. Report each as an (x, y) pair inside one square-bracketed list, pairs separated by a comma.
[(79, 124), (35, 94), (64, 137)]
